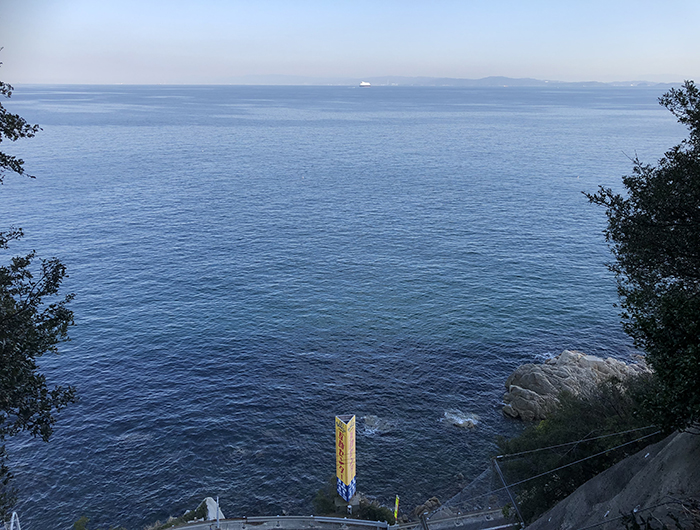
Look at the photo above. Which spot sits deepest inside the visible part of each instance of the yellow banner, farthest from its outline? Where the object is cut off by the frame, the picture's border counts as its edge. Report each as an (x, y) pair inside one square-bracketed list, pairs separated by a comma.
[(345, 448)]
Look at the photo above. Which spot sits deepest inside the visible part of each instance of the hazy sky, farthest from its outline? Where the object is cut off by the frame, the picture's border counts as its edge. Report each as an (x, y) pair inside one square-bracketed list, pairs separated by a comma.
[(220, 41)]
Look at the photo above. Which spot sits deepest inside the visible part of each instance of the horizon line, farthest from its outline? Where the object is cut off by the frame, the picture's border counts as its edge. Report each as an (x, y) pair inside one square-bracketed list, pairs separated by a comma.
[(377, 80)]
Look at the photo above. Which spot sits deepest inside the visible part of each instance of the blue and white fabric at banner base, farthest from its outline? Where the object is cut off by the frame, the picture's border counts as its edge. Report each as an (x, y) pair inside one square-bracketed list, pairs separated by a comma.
[(346, 491)]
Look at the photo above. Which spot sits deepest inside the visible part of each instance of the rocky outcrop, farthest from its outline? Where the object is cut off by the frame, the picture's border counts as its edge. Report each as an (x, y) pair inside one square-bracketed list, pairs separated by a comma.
[(428, 506), (212, 508), (533, 389)]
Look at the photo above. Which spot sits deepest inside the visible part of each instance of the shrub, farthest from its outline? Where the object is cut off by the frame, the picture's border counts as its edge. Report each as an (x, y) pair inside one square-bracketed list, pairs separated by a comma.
[(373, 511), (613, 407)]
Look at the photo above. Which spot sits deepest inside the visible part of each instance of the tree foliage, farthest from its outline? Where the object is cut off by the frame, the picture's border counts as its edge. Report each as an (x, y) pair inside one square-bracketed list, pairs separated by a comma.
[(12, 128), (29, 328), (654, 234), (34, 319), (82, 524)]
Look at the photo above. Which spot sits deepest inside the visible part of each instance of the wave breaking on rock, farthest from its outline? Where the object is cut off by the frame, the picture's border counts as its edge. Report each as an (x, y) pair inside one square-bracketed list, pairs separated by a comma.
[(461, 419)]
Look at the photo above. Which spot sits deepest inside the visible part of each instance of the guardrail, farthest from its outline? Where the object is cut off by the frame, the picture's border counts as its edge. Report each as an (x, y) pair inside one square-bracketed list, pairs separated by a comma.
[(288, 522), (330, 520), (300, 522)]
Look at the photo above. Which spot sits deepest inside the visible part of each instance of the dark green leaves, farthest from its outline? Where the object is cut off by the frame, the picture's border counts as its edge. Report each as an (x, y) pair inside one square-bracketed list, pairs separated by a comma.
[(30, 326), (33, 321), (12, 127), (654, 234)]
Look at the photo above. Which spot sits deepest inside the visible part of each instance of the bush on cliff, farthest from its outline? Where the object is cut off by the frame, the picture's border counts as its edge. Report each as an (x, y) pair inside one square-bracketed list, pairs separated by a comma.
[(81, 524), (324, 501), (373, 511), (613, 407)]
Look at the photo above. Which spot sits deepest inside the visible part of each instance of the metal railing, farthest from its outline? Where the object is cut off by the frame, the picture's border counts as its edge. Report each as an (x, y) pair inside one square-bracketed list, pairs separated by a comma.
[(288, 521)]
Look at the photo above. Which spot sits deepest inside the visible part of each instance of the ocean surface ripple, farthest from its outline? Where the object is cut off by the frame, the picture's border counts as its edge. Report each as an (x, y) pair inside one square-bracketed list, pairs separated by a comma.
[(249, 262)]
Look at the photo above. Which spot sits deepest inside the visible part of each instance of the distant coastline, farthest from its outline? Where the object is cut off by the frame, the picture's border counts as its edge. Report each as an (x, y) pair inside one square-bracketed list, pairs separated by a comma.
[(499, 81), (492, 81)]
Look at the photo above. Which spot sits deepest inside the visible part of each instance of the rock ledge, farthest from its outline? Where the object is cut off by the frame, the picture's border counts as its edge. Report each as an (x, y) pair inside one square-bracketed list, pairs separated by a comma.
[(533, 389)]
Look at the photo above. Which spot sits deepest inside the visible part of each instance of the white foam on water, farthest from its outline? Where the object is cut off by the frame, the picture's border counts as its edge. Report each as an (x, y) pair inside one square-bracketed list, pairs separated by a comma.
[(466, 420)]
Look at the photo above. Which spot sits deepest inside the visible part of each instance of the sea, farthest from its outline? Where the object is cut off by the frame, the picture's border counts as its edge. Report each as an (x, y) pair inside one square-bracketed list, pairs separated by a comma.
[(249, 262)]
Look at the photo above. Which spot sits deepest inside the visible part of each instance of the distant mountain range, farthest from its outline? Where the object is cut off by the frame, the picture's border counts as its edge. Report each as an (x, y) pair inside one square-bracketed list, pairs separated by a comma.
[(496, 81), (493, 81)]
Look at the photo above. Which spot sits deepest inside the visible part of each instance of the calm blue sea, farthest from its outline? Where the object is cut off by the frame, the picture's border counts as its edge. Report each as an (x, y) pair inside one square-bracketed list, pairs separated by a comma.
[(249, 262)]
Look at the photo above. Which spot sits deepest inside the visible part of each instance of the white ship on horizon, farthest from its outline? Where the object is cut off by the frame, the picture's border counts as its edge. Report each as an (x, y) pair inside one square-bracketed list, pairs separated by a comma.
[(364, 84)]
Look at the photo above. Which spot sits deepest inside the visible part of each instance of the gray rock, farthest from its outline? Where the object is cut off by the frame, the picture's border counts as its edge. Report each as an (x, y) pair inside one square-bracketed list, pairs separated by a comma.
[(212, 508), (533, 389), (655, 482), (428, 506)]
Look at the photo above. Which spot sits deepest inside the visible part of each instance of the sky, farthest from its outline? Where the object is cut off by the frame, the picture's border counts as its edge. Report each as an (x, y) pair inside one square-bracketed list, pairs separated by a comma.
[(234, 41)]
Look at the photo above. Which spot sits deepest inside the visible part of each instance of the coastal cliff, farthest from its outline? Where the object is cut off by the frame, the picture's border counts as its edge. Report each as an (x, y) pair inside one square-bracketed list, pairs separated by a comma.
[(662, 482)]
